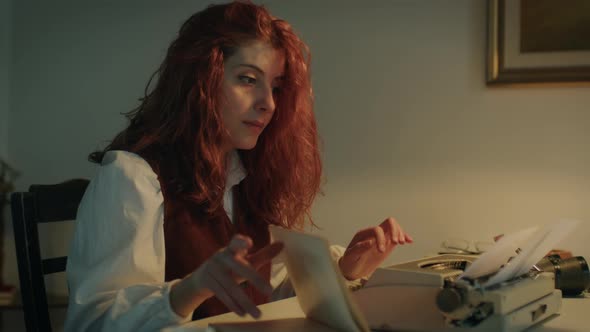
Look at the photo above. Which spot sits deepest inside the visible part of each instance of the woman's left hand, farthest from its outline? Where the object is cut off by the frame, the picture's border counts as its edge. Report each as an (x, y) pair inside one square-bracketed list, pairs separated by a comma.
[(369, 247)]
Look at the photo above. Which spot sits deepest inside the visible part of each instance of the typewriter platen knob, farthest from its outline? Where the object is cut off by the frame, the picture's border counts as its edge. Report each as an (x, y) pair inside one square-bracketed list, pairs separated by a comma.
[(449, 300)]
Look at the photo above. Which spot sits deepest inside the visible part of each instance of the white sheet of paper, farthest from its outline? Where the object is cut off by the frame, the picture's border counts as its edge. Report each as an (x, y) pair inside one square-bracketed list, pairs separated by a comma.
[(320, 288), (498, 254), (516, 253), (533, 250)]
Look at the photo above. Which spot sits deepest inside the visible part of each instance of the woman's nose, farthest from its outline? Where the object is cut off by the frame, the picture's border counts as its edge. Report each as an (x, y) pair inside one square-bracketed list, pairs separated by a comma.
[(266, 100)]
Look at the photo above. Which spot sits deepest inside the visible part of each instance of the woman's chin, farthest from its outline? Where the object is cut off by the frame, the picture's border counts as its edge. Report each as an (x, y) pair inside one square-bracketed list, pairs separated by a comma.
[(249, 145)]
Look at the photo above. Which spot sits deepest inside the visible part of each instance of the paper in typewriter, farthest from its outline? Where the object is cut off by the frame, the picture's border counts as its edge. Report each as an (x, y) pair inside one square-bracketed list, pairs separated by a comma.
[(320, 288), (515, 254)]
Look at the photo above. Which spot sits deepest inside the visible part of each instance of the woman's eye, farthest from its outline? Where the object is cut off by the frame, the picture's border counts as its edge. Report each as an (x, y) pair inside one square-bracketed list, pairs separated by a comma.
[(247, 79)]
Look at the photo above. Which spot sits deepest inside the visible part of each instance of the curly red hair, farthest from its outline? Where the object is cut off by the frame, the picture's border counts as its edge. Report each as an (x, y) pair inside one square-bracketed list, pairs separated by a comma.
[(178, 125)]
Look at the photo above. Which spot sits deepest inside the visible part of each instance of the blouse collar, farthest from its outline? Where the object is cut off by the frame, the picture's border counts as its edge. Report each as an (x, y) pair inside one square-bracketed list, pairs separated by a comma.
[(235, 170)]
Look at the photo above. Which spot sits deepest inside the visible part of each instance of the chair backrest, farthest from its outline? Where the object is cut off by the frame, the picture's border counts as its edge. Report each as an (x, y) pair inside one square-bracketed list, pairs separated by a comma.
[(41, 204)]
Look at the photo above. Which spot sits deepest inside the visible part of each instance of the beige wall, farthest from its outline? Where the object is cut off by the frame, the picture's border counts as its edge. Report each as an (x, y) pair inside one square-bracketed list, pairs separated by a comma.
[(408, 125), (5, 59), (411, 130)]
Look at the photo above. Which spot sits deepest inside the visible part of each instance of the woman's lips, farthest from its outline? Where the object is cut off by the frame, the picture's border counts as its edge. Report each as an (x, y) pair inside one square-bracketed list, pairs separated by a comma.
[(255, 125)]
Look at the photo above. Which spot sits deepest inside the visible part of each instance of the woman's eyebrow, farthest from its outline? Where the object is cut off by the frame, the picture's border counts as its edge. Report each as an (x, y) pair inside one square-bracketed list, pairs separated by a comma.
[(258, 69)]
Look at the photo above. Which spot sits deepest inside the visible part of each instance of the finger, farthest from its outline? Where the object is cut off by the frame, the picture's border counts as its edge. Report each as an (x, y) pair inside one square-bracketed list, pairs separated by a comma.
[(401, 235), (391, 229), (244, 270), (233, 291), (265, 255), (396, 233), (388, 223), (221, 293), (240, 244), (409, 239), (380, 236)]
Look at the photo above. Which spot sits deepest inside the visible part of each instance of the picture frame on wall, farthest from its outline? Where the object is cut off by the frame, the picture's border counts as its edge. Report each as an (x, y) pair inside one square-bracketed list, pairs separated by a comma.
[(538, 41)]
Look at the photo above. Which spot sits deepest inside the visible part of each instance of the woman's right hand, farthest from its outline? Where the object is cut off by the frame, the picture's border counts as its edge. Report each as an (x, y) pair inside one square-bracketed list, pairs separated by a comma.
[(221, 276)]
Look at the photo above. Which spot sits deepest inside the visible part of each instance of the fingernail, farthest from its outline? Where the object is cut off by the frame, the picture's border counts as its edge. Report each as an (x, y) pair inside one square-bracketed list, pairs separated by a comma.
[(382, 247)]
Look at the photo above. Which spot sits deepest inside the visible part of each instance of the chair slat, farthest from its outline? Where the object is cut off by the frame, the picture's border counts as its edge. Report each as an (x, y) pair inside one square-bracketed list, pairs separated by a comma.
[(54, 265), (58, 202)]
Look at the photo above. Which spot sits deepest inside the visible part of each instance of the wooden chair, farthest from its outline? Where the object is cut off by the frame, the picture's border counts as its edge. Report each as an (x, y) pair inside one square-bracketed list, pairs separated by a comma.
[(41, 204)]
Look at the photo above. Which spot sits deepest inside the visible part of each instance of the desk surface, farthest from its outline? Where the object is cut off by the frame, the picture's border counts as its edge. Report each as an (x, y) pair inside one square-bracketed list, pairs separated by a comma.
[(573, 317)]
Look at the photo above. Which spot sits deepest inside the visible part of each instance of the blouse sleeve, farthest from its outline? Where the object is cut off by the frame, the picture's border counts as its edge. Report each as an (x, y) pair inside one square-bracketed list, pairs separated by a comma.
[(116, 261)]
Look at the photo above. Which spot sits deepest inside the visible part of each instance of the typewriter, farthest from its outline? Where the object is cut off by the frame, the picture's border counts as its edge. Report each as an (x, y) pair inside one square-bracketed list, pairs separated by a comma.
[(429, 295), (504, 288)]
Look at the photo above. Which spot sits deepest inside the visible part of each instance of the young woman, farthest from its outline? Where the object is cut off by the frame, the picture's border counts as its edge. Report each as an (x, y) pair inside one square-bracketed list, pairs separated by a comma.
[(174, 225)]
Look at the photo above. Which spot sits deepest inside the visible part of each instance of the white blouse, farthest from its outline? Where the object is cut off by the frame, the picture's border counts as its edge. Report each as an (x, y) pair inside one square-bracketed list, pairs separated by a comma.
[(116, 262)]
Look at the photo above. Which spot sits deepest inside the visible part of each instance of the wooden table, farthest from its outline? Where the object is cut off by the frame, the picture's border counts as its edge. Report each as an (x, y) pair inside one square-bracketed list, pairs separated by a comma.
[(574, 316)]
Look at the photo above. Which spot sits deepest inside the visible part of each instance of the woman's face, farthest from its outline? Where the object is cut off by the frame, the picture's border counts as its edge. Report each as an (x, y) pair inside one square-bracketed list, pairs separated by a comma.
[(252, 77)]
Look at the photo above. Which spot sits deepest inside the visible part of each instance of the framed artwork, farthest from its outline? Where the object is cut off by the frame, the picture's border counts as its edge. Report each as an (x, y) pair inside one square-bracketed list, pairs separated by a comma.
[(537, 41)]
